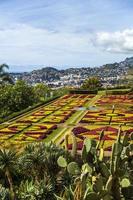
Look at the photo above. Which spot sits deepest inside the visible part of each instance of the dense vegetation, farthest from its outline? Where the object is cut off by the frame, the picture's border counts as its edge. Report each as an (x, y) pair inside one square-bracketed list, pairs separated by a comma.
[(18, 96), (42, 171), (45, 171), (92, 83)]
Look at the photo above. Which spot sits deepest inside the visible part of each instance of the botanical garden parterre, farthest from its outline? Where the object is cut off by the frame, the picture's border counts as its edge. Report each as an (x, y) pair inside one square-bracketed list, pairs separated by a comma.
[(81, 114)]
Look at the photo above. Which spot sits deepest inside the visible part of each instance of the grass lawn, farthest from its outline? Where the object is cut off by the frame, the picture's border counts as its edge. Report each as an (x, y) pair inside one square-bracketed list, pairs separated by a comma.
[(54, 134)]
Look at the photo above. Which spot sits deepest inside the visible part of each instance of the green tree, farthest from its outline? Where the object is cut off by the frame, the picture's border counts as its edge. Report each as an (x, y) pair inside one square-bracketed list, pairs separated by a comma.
[(5, 97), (41, 91), (91, 83), (22, 96), (61, 91), (4, 76)]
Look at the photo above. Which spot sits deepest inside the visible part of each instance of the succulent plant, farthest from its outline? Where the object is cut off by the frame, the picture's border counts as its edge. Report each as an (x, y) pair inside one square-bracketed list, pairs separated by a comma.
[(73, 168), (97, 178), (74, 143), (62, 161)]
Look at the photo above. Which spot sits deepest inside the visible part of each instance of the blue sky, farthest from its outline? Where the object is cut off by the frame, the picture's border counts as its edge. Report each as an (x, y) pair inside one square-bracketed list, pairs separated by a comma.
[(63, 33)]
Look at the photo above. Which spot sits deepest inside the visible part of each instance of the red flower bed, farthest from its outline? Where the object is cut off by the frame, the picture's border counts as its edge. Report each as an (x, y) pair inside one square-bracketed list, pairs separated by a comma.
[(79, 130), (8, 132), (24, 121), (34, 132)]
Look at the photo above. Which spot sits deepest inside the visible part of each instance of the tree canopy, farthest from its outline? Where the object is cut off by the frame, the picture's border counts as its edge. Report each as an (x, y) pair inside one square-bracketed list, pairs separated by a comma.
[(91, 83), (4, 76)]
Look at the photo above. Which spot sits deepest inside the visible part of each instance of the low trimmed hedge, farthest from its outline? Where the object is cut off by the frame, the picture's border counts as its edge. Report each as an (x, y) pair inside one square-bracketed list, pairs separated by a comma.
[(81, 91)]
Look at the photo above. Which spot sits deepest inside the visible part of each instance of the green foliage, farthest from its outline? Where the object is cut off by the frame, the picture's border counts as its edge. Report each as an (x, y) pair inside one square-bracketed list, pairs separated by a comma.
[(62, 162), (44, 171), (4, 193), (30, 190), (15, 97), (98, 178), (41, 92), (92, 83), (73, 168), (22, 96), (4, 76)]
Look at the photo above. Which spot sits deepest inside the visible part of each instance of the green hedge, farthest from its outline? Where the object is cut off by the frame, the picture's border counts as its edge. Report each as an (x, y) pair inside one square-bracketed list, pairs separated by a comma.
[(81, 91), (117, 92)]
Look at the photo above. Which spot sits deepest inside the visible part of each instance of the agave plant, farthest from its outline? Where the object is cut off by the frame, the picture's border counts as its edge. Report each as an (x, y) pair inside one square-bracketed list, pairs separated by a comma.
[(32, 162), (35, 191)]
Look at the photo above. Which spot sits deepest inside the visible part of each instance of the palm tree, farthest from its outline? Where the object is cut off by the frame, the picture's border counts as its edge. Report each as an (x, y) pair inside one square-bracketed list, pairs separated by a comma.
[(8, 163), (4, 76)]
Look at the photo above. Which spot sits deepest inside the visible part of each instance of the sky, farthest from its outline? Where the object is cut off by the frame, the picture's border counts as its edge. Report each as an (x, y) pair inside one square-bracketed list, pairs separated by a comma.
[(65, 33)]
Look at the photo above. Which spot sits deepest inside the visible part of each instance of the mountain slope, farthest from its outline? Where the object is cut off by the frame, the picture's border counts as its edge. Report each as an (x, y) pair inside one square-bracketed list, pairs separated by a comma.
[(48, 74)]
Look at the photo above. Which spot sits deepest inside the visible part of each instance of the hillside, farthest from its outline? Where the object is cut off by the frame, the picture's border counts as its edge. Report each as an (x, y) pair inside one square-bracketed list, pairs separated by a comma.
[(50, 74)]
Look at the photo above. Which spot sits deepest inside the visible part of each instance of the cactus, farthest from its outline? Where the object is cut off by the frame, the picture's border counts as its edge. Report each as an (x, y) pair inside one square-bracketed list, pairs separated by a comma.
[(100, 139), (101, 154), (107, 197), (131, 136), (84, 154), (97, 185), (127, 151), (125, 140), (116, 152), (119, 134), (62, 162), (104, 169), (93, 196), (125, 182), (73, 168), (74, 143), (86, 168), (96, 179), (131, 147), (109, 182), (88, 144), (66, 141), (86, 149)]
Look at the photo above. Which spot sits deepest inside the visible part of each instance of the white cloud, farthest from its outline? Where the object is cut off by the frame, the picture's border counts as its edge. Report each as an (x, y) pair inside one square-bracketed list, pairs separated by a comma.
[(28, 44), (117, 42)]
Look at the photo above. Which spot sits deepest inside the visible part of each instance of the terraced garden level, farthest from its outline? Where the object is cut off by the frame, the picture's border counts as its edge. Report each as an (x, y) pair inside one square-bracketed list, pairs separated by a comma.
[(84, 115)]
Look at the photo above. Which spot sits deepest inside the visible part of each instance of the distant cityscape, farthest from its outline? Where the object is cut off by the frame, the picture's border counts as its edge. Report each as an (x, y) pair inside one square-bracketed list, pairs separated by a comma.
[(109, 74)]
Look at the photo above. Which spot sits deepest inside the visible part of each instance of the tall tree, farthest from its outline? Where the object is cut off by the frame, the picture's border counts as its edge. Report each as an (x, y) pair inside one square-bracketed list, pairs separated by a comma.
[(92, 83), (4, 76), (22, 96), (41, 91)]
